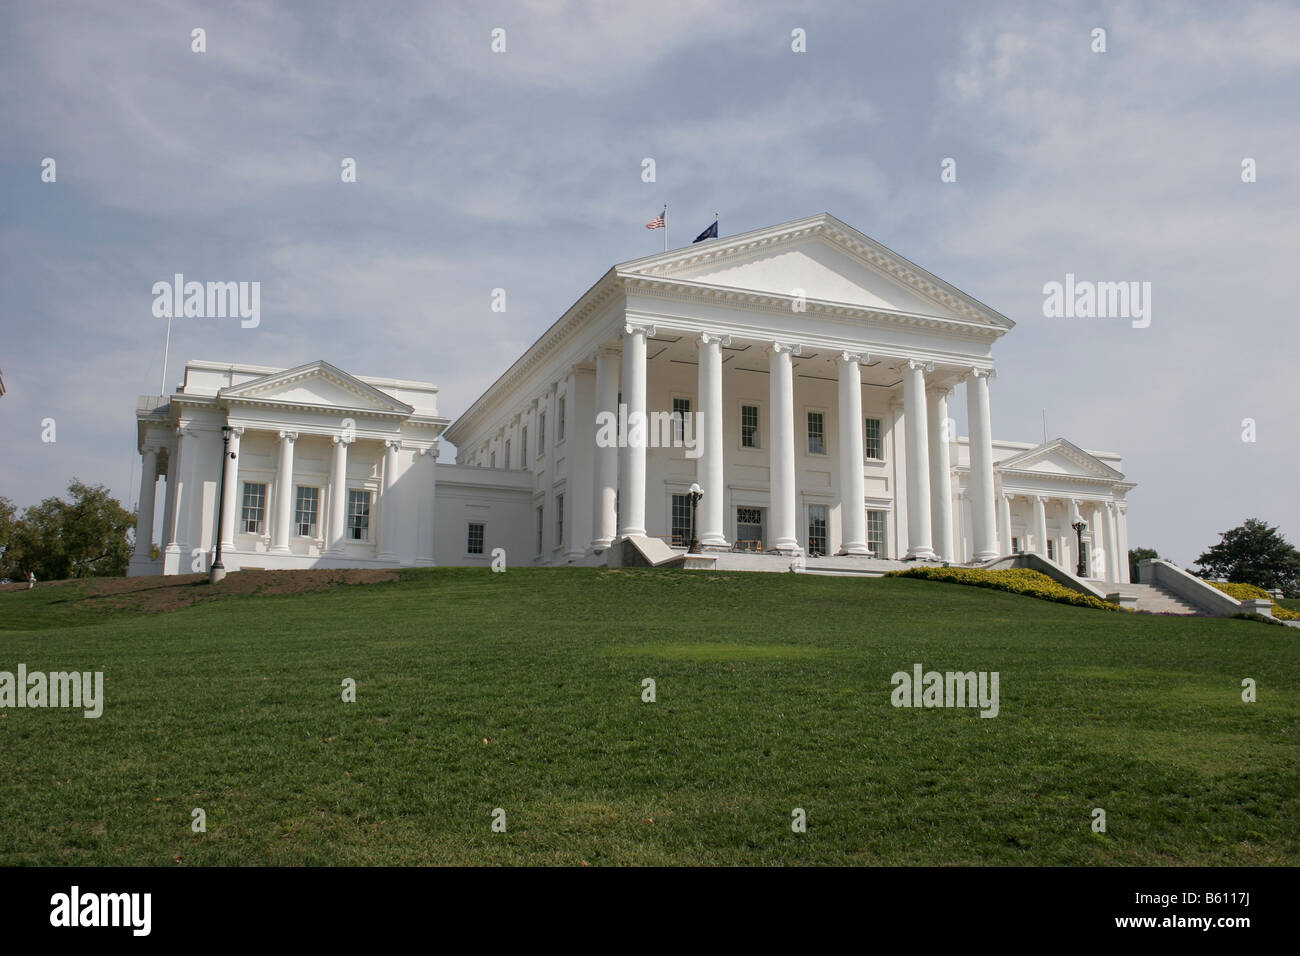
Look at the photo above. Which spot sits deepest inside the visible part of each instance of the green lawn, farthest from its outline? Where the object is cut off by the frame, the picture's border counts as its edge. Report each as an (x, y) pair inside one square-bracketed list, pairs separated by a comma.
[(773, 693)]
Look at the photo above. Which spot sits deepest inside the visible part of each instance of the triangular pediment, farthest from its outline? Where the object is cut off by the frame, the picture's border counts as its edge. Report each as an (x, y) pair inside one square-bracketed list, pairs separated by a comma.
[(825, 259), (1059, 458), (315, 385)]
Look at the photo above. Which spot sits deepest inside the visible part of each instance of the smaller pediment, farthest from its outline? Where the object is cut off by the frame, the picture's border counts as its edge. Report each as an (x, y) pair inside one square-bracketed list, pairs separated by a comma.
[(1059, 458), (315, 385)]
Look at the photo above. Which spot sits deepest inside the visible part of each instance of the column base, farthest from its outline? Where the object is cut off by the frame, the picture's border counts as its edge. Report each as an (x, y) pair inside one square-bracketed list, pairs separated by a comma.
[(715, 542), (921, 554), (981, 556), (785, 546), (858, 549), (600, 544)]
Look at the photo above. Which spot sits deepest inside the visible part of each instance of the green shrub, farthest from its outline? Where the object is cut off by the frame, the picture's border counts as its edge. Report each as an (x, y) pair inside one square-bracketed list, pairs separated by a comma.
[(1016, 580)]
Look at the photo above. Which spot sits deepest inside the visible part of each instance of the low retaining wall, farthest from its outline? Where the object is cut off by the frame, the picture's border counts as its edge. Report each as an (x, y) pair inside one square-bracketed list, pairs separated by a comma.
[(1035, 562), (1187, 587)]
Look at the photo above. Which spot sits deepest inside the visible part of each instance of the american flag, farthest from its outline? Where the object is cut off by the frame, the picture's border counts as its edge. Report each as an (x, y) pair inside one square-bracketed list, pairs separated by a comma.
[(656, 223)]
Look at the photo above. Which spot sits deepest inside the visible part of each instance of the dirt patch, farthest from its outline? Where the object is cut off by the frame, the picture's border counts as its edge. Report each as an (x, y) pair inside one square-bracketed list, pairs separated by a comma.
[(161, 594)]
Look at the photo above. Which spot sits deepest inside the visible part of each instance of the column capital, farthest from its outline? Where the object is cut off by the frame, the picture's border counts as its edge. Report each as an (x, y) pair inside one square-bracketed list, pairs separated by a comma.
[(289, 436), (431, 452), (342, 439), (236, 430), (942, 391), (914, 364), (987, 373), (776, 348), (393, 444), (708, 338), (857, 357), (647, 330)]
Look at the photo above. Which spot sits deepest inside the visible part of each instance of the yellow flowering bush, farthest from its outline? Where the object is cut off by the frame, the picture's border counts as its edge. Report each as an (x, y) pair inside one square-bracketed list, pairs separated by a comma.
[(1016, 580), (1247, 592)]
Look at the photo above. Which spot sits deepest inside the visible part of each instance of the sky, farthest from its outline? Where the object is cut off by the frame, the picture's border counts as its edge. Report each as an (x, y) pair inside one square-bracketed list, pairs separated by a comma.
[(522, 170)]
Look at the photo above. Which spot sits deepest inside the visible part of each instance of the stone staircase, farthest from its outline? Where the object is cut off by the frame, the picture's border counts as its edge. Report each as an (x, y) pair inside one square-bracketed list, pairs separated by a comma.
[(1157, 600)]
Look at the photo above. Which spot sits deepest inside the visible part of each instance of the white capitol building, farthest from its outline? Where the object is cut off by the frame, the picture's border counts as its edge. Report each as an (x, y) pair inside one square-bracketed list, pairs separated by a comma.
[(798, 374)]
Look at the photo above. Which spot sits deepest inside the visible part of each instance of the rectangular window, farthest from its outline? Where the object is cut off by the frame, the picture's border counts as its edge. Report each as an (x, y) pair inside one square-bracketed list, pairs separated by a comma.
[(358, 514), (1051, 550), (816, 433), (559, 421), (507, 453), (253, 516), (541, 434), (559, 520), (871, 447), (817, 521), (681, 415), (749, 529), (876, 533), (1084, 555), (681, 521), (541, 529), (305, 511), (1015, 545), (492, 461), (749, 426), (523, 447), (474, 538)]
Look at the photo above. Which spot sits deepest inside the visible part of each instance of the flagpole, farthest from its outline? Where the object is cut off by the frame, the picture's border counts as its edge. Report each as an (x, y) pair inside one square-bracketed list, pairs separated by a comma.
[(665, 227), (167, 344)]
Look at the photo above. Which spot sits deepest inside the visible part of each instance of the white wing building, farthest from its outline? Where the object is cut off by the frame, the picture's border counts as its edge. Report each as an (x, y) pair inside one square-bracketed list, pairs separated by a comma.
[(799, 375)]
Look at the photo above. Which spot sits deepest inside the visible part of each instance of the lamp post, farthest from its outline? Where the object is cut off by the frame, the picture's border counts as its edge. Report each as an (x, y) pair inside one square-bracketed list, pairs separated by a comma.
[(1078, 527), (218, 571), (696, 495)]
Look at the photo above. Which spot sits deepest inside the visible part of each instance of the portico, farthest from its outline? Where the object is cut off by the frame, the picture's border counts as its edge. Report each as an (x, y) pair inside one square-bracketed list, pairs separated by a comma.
[(324, 470), (806, 370)]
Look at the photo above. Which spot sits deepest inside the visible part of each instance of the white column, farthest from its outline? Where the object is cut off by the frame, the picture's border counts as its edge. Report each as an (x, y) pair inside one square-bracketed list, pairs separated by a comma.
[(782, 508), (604, 512), (338, 495), (981, 465), (919, 546), (230, 493), (178, 538), (853, 512), (169, 499), (940, 472), (1040, 526), (1004, 520), (709, 467), (283, 495), (632, 454), (1112, 543), (388, 502), (581, 440), (1098, 561), (1121, 526), (425, 476), (144, 511)]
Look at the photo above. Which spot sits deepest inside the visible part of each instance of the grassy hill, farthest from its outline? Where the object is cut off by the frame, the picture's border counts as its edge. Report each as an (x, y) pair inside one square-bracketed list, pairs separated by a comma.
[(522, 691)]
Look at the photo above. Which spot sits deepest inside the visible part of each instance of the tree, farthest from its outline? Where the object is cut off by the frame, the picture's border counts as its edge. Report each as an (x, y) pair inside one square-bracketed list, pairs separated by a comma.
[(89, 536), (1254, 554), (1134, 556)]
